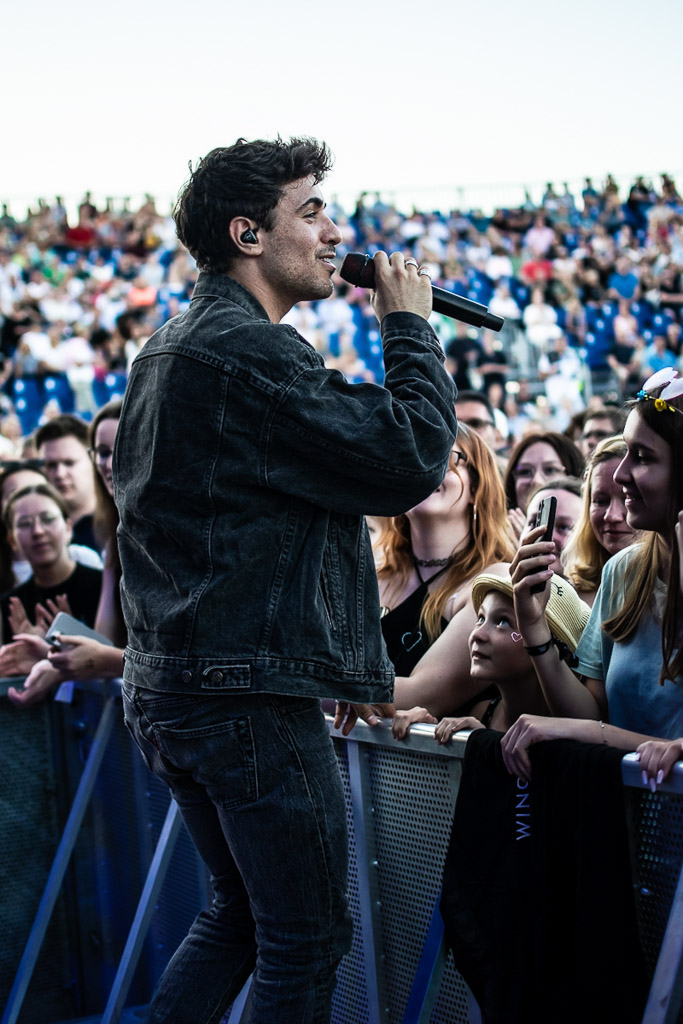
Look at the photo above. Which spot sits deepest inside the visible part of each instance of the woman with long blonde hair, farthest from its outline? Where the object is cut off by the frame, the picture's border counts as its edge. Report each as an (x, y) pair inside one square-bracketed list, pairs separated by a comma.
[(602, 529), (427, 560)]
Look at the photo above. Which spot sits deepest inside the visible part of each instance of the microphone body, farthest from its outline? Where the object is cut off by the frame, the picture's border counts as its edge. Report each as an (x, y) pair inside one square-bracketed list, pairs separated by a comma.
[(359, 269)]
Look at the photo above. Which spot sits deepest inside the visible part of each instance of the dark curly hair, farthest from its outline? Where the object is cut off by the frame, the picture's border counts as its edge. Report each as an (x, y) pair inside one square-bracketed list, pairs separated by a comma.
[(243, 180)]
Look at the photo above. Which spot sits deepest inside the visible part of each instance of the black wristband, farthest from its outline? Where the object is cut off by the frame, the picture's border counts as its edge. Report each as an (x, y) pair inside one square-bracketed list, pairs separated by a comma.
[(540, 649)]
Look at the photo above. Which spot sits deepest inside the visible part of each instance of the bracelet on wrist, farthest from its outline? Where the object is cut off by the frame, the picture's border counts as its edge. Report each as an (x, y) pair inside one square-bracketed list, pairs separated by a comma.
[(562, 649), (539, 648)]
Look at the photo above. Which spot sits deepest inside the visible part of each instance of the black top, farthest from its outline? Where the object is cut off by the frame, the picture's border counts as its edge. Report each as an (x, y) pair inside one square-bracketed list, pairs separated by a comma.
[(82, 588), (405, 641), (84, 533), (488, 714)]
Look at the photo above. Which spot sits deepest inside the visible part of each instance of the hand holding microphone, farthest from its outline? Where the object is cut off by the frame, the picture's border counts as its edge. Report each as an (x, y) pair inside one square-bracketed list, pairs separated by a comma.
[(362, 270), (399, 286)]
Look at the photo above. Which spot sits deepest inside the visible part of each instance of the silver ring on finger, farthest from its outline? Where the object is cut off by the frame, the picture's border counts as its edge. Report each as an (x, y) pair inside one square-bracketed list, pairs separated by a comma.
[(424, 272), (410, 262)]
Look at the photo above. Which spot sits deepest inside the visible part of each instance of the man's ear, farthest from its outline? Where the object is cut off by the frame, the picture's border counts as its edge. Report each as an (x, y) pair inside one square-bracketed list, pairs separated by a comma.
[(244, 236)]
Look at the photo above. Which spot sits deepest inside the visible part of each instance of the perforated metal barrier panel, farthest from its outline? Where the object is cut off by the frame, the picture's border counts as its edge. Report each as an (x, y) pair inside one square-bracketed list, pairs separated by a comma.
[(408, 807), (30, 824)]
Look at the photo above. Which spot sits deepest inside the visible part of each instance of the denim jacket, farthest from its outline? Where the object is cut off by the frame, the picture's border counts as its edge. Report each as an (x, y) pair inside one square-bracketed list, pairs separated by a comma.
[(243, 468)]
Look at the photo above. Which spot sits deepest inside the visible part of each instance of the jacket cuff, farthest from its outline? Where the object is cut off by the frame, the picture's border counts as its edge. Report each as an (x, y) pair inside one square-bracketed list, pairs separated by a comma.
[(396, 326)]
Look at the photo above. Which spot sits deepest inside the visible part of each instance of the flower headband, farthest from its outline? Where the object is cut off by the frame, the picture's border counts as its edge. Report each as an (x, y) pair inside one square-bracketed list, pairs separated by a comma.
[(672, 387)]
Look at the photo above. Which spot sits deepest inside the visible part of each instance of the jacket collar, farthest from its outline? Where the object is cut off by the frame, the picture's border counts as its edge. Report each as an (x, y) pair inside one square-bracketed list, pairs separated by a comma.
[(221, 286)]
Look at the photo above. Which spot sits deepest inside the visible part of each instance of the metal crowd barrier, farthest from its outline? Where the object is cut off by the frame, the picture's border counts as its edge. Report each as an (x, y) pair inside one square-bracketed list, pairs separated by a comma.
[(138, 882)]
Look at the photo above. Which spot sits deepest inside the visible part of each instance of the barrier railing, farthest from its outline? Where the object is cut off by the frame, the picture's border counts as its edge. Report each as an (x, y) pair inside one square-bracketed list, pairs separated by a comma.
[(399, 799)]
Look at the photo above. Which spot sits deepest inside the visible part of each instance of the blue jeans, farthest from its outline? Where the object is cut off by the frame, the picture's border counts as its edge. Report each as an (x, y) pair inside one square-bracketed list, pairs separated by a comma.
[(257, 782)]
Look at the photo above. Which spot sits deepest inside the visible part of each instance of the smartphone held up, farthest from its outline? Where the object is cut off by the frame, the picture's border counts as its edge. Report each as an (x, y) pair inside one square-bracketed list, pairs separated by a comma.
[(545, 517)]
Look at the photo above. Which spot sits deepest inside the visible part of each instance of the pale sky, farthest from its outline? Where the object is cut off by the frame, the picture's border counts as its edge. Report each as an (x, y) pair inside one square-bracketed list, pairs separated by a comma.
[(414, 98)]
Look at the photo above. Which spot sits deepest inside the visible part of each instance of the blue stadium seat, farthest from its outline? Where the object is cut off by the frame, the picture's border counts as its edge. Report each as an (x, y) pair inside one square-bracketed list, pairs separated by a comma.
[(57, 386), (27, 395), (113, 386)]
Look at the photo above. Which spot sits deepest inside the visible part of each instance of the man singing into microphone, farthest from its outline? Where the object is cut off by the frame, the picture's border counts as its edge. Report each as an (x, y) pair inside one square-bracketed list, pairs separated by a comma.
[(243, 468)]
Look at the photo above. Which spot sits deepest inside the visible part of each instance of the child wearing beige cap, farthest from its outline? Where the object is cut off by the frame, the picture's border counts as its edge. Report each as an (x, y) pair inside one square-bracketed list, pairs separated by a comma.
[(498, 655)]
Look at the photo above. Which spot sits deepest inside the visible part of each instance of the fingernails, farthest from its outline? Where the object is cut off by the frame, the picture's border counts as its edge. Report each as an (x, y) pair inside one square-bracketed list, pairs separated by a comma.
[(643, 776), (660, 776), (637, 755), (653, 785)]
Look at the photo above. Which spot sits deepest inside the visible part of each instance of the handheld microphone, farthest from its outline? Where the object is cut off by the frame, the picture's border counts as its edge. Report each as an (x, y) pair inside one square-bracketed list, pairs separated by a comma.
[(359, 269)]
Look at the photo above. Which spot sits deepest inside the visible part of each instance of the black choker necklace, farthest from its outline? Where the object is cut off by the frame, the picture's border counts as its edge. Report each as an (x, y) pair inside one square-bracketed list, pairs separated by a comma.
[(432, 563)]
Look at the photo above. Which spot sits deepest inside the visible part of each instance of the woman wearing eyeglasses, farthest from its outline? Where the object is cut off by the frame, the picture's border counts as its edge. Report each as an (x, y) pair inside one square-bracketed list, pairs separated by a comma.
[(83, 657), (40, 531), (427, 561), (627, 688), (533, 461)]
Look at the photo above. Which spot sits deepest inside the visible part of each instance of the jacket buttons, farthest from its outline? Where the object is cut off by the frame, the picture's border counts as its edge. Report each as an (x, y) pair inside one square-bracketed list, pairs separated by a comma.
[(216, 677), (186, 676)]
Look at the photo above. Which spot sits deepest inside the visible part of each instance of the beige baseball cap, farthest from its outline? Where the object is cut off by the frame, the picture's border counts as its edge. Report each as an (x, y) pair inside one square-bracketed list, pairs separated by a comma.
[(566, 613)]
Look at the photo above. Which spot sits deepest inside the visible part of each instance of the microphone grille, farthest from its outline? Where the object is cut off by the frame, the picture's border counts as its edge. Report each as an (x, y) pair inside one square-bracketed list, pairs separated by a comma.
[(358, 268)]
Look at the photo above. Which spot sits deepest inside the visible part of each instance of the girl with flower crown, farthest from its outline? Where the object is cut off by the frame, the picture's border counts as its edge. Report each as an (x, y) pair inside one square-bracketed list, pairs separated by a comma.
[(627, 687)]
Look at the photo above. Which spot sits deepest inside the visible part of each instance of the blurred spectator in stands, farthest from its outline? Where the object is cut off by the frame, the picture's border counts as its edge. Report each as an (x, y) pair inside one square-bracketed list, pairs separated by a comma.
[(673, 336), (602, 528), (523, 416), (671, 289), (7, 221), (600, 423), (503, 304), (499, 265), (657, 356), (539, 238), (462, 353), (540, 320), (491, 364), (589, 193), (575, 320), (640, 198), (536, 270), (623, 282), (63, 444), (561, 371), (625, 324), (589, 285), (495, 392), (10, 436), (141, 294)]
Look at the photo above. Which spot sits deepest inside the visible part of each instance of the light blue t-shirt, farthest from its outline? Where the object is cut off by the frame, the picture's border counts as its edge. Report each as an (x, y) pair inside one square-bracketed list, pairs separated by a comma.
[(630, 669)]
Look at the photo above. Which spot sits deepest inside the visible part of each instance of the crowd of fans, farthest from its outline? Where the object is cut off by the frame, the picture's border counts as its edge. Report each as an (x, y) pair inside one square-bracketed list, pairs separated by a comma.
[(590, 288)]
